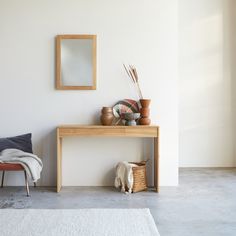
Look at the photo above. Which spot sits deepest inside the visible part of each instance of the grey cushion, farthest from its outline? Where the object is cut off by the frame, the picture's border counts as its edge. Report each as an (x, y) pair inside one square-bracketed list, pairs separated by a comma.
[(21, 142)]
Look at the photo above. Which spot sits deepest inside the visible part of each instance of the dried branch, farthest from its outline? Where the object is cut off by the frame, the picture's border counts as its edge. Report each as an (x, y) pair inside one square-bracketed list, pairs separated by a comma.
[(133, 75)]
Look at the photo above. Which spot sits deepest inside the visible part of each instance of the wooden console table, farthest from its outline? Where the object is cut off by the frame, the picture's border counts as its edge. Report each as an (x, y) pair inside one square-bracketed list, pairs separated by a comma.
[(108, 131)]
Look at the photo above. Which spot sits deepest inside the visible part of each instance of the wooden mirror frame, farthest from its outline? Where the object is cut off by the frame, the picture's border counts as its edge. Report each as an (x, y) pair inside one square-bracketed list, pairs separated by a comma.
[(59, 84)]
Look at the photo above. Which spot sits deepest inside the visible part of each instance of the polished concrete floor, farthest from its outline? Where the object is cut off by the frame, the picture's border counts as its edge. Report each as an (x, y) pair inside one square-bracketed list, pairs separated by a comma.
[(203, 204)]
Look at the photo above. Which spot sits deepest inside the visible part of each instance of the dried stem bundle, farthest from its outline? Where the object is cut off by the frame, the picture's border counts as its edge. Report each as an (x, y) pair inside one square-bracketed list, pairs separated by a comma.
[(133, 75)]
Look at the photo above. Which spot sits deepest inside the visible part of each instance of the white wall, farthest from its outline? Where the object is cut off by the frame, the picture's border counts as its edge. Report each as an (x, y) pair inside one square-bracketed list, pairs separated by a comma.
[(205, 109), (144, 33)]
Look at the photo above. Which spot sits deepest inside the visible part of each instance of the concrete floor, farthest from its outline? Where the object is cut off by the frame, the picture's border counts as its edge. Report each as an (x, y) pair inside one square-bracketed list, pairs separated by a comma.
[(203, 204)]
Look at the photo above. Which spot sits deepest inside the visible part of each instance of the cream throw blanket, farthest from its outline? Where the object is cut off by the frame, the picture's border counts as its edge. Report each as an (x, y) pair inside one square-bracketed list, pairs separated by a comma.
[(124, 176), (31, 163)]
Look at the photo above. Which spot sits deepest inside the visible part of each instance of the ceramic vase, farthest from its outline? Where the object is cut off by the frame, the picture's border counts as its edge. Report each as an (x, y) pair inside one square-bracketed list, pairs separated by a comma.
[(145, 112), (107, 116)]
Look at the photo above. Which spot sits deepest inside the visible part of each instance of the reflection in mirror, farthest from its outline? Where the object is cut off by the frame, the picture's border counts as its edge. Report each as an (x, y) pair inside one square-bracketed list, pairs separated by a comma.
[(76, 62)]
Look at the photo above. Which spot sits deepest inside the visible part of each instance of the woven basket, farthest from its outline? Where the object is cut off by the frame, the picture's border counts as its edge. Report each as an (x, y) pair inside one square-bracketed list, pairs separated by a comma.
[(140, 177)]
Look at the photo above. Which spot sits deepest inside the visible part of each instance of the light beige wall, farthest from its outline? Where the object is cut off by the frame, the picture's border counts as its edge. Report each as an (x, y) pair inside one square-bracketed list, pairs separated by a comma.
[(205, 108), (232, 14)]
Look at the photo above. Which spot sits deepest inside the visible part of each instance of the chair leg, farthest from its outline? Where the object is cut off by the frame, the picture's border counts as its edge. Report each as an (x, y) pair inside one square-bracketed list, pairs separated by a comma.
[(35, 184), (3, 175), (26, 184)]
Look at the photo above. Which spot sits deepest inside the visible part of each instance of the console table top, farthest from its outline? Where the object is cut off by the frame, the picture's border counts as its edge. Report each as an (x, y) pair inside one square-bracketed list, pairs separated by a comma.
[(101, 130)]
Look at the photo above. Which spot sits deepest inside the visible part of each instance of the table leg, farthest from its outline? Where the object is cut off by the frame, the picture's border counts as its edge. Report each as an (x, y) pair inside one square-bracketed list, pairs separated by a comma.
[(59, 160), (156, 164)]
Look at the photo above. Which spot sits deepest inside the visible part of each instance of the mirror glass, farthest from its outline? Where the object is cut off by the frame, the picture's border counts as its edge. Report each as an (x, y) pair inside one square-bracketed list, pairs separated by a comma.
[(76, 62)]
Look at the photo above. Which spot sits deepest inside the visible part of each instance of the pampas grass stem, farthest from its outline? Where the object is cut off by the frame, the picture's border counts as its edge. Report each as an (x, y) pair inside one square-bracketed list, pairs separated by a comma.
[(133, 75)]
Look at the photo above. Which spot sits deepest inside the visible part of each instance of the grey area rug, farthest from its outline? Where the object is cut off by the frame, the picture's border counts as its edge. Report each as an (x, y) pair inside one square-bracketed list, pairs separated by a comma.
[(79, 222)]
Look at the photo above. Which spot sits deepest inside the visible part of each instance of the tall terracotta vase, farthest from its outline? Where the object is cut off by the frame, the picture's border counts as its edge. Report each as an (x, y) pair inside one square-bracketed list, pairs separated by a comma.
[(145, 112), (107, 116)]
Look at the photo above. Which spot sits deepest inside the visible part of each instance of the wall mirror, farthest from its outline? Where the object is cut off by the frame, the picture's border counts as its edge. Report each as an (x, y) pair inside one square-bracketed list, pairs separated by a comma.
[(76, 62)]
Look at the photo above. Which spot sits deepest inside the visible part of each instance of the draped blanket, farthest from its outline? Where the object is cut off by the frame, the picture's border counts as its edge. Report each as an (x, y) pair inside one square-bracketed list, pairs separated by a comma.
[(124, 176), (31, 163)]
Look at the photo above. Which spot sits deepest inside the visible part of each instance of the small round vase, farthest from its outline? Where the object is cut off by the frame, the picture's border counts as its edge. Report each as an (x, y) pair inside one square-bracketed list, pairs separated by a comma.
[(107, 116), (144, 121)]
